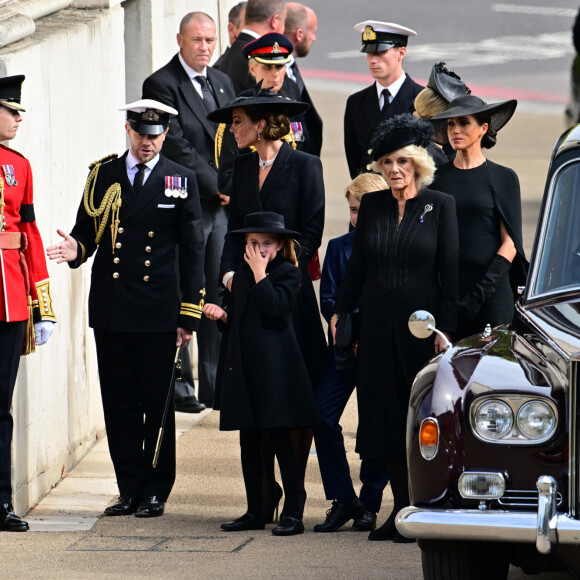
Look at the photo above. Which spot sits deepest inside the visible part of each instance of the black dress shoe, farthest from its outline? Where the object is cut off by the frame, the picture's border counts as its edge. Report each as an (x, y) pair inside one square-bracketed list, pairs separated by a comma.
[(366, 522), (386, 532), (124, 506), (246, 522), (150, 506), (289, 526), (9, 521), (189, 405), (339, 514)]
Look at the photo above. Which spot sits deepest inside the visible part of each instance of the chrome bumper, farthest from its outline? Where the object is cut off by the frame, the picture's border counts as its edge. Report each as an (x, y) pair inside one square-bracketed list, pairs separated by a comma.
[(545, 528)]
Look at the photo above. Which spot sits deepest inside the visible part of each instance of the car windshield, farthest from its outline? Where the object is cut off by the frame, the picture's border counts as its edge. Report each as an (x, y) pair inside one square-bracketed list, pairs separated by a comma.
[(558, 257)]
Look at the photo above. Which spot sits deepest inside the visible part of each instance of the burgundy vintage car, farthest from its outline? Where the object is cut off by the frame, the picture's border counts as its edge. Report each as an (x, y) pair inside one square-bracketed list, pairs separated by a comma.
[(493, 427)]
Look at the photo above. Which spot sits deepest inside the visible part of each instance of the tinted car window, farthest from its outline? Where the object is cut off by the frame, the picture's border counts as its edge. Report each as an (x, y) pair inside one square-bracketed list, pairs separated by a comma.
[(559, 256)]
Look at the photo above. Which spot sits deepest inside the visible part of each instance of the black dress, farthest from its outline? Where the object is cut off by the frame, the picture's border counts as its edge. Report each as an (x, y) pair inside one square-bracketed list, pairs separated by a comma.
[(295, 189), (484, 197), (265, 383), (395, 270)]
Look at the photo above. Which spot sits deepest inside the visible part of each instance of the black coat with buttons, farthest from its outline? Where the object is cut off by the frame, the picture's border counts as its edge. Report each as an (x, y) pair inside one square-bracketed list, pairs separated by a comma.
[(137, 288)]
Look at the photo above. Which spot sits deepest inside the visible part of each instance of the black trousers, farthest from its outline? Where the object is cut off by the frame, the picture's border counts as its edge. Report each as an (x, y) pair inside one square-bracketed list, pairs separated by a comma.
[(135, 372), (11, 337)]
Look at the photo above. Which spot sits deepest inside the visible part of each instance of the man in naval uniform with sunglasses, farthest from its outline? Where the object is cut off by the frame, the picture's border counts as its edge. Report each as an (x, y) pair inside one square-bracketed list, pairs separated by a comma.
[(392, 93), (137, 211)]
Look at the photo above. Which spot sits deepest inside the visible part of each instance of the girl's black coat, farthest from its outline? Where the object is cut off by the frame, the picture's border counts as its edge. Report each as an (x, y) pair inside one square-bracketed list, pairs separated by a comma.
[(264, 381)]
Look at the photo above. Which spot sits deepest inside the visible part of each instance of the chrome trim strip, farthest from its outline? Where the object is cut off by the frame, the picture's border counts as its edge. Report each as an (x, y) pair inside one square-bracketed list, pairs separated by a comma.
[(546, 512), (483, 526), (573, 436)]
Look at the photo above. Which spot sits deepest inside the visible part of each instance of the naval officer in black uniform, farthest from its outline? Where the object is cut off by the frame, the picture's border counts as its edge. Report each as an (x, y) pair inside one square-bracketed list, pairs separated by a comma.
[(392, 93), (137, 210)]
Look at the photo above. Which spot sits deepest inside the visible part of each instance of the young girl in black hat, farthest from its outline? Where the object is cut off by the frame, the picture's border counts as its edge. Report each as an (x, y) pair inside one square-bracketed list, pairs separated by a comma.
[(264, 389)]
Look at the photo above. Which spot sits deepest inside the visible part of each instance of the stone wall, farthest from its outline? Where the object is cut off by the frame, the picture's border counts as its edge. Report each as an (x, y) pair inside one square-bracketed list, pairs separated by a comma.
[(81, 63)]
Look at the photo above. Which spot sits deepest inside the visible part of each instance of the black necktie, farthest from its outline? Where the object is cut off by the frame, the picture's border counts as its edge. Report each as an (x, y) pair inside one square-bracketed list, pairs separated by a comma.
[(208, 100), (386, 94), (139, 177)]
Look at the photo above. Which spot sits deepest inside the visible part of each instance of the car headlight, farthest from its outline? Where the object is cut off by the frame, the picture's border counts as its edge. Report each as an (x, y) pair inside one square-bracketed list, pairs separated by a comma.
[(536, 420), (493, 419), (513, 419)]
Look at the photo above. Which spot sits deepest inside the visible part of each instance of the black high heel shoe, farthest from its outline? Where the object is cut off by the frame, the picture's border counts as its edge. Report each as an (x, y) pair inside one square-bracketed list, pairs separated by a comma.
[(271, 502), (246, 522)]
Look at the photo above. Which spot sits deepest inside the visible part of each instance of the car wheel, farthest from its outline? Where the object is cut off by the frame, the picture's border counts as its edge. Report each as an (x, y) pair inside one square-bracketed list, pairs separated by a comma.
[(464, 561)]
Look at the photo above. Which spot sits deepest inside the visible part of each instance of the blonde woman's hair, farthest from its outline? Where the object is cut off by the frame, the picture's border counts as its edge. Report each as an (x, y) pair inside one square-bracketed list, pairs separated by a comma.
[(365, 183), (428, 104), (424, 164)]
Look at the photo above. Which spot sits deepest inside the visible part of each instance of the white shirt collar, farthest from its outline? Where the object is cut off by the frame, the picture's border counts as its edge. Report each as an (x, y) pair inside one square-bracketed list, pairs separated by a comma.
[(251, 33), (132, 161), (191, 73), (393, 88)]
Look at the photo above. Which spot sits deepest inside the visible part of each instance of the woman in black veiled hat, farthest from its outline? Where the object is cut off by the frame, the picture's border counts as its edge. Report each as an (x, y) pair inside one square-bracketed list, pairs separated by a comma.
[(404, 258), (488, 212), (275, 177)]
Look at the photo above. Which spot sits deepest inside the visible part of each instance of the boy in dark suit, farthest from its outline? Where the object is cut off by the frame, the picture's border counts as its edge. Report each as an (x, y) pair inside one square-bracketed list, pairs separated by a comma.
[(334, 390)]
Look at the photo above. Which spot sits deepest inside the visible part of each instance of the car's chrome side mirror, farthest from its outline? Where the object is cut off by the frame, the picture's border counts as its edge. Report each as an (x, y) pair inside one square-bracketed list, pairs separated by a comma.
[(422, 325)]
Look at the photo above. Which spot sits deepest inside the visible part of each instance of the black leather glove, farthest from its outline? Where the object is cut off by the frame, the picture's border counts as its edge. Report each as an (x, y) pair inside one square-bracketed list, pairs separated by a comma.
[(471, 303)]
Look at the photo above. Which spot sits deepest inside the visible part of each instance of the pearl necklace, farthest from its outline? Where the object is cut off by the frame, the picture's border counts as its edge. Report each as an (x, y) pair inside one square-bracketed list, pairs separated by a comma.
[(265, 163)]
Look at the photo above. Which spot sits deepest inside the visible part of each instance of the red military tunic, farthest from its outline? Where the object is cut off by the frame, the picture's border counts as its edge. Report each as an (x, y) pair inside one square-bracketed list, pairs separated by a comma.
[(19, 218)]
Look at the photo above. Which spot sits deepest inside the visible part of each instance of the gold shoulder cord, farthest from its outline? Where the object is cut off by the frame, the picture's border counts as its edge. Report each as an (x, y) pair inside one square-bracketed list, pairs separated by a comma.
[(219, 138), (111, 201)]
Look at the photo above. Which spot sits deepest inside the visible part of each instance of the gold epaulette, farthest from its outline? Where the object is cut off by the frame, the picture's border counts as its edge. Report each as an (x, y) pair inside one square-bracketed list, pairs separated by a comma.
[(105, 159), (219, 139)]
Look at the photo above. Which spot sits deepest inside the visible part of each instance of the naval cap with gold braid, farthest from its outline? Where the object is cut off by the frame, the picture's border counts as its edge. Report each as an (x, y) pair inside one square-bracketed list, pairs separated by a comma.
[(148, 117), (380, 36)]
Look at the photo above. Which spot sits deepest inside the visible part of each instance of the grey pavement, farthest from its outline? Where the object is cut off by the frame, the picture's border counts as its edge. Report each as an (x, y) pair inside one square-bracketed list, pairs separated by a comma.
[(69, 538)]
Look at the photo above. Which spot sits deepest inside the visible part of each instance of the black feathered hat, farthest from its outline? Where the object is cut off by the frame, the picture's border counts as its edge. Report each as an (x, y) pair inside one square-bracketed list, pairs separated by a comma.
[(398, 132), (258, 97), (446, 83), (265, 222), (500, 114)]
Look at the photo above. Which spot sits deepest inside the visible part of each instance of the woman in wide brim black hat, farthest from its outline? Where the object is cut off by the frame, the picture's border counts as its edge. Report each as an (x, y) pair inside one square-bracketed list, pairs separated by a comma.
[(488, 212), (276, 177), (404, 254)]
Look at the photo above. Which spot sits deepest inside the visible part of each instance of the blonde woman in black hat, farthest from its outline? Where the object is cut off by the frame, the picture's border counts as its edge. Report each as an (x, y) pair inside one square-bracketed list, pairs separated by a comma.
[(443, 86), (276, 177), (264, 390), (488, 212), (404, 258)]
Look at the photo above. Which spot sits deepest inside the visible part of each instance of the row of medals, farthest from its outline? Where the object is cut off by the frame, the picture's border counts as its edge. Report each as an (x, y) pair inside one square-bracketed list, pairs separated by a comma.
[(176, 186)]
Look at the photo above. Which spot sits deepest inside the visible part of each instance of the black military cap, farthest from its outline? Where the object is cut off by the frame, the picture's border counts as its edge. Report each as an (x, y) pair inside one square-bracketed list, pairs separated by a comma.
[(10, 89), (272, 48)]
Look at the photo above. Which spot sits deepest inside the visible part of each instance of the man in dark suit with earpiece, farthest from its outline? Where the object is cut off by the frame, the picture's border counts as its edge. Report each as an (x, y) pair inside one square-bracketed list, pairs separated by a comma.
[(188, 84)]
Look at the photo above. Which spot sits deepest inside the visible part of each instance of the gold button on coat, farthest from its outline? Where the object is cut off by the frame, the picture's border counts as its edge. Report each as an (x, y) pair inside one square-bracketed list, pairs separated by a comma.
[(147, 263), (146, 278), (151, 234), (116, 260), (148, 249), (118, 245), (121, 230), (115, 274)]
